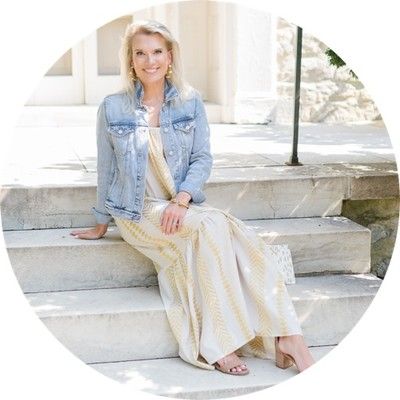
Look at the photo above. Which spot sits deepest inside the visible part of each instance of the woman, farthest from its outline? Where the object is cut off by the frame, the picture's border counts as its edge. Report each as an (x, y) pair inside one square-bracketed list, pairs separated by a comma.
[(221, 288)]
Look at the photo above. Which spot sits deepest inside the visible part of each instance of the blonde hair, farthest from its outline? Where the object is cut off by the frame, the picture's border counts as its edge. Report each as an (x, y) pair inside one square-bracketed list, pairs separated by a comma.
[(125, 55)]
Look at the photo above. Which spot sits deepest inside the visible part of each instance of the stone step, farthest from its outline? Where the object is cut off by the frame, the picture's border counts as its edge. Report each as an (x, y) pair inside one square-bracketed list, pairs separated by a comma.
[(163, 377), (248, 193), (53, 260), (120, 324)]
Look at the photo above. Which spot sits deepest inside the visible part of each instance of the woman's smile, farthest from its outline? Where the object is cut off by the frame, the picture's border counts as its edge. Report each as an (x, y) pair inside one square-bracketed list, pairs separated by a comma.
[(151, 70)]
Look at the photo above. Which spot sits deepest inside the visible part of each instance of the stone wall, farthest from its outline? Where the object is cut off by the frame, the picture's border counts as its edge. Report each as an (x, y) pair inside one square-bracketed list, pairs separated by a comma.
[(327, 94), (381, 217)]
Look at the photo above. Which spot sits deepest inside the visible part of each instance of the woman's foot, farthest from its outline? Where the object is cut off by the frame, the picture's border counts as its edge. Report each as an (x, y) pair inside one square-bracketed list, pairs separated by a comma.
[(235, 360), (296, 347)]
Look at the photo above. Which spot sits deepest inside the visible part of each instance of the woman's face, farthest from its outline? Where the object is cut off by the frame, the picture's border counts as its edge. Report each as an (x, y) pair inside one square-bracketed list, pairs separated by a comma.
[(150, 57)]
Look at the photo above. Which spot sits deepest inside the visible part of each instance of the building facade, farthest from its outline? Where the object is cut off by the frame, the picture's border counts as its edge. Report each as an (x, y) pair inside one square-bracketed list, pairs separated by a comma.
[(240, 59)]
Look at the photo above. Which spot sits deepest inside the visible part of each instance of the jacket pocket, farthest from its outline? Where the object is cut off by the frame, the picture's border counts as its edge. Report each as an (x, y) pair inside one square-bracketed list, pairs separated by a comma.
[(186, 126), (184, 132), (120, 134)]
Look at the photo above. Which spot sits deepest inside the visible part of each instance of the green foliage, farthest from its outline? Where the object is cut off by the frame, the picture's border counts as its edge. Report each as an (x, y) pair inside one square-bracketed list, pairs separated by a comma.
[(337, 62)]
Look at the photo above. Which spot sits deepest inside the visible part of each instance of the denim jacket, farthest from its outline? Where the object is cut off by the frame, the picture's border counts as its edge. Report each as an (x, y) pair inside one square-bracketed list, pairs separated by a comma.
[(122, 151)]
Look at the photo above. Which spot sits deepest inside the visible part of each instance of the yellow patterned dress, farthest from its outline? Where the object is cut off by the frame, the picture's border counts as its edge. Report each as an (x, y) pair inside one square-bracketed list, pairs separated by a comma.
[(221, 286)]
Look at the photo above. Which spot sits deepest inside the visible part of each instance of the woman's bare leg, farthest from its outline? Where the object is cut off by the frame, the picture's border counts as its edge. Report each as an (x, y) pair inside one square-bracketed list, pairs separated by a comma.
[(295, 346)]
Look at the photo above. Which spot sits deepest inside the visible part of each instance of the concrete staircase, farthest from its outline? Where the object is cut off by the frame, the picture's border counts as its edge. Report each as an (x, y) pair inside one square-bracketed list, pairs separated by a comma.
[(101, 300)]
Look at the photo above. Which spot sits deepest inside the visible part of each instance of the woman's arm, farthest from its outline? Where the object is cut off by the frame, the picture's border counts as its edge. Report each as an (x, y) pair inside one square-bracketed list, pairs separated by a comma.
[(105, 154), (200, 161)]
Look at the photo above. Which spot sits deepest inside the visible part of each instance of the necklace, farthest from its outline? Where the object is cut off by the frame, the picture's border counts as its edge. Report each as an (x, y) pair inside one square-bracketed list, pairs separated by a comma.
[(153, 104)]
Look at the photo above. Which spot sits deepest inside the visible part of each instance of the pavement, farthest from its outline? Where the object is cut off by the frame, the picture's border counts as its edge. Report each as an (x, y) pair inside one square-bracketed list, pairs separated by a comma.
[(57, 146)]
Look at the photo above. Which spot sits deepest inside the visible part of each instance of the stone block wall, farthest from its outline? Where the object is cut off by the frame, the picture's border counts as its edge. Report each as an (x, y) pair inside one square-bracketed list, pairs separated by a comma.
[(382, 218), (328, 94)]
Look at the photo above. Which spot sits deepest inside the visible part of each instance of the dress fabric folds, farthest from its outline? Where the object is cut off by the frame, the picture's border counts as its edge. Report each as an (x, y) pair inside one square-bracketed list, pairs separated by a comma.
[(220, 284)]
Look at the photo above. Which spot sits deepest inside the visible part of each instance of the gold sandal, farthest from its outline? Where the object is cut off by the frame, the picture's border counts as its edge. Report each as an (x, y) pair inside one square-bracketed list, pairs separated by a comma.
[(228, 365), (282, 360)]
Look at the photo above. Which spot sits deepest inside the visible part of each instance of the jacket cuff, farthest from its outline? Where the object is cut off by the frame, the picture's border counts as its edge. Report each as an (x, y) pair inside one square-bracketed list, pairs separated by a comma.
[(194, 193), (101, 218)]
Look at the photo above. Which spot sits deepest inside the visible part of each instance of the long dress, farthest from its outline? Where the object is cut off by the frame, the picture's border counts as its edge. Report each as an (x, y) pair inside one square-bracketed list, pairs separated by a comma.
[(220, 285)]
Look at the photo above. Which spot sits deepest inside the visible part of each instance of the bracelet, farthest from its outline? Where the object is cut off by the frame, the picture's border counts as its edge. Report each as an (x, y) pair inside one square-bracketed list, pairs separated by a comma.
[(179, 203)]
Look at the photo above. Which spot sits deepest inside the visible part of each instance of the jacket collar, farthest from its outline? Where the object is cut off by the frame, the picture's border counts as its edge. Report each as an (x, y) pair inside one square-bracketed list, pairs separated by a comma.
[(170, 91)]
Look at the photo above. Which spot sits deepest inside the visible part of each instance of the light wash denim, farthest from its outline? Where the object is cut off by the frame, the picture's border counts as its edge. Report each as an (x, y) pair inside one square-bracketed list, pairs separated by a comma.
[(122, 150)]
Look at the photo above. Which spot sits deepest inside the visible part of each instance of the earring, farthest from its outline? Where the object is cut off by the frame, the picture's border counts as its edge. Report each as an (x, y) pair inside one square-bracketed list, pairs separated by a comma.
[(132, 75), (169, 72)]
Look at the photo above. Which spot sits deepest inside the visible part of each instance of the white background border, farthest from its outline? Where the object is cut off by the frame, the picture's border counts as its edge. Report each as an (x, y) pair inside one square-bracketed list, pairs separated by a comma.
[(36, 33)]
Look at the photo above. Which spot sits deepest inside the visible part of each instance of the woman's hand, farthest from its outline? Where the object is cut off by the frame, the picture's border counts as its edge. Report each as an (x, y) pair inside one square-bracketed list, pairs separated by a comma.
[(172, 218), (94, 233), (173, 214)]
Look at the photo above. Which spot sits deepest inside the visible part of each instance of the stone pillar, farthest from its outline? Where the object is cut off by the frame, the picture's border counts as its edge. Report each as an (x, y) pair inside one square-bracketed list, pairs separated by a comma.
[(254, 75), (193, 43), (221, 83)]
